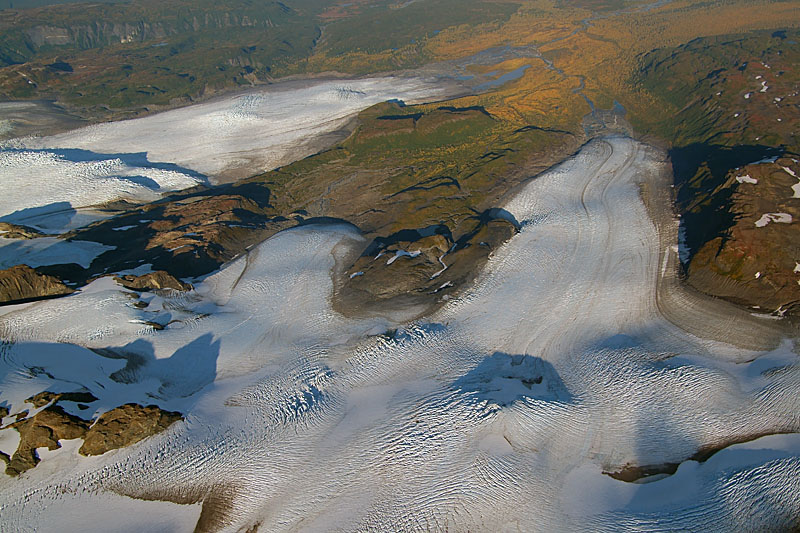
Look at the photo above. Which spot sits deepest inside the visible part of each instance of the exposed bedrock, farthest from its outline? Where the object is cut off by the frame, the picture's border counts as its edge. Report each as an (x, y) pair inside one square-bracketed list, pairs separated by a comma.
[(43, 430), (22, 283), (126, 425), (120, 427), (739, 214), (16, 231), (755, 260), (152, 281), (411, 266), (633, 473)]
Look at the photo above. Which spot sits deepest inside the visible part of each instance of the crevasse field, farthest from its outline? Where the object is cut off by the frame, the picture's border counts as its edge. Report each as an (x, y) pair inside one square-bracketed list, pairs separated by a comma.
[(575, 353)]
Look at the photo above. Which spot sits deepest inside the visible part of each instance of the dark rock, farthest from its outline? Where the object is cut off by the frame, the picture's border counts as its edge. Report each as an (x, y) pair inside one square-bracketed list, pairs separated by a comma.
[(631, 473), (22, 283), (426, 268), (43, 398)]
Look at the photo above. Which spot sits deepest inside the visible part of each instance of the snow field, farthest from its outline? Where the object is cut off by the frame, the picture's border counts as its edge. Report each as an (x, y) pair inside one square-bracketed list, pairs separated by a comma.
[(499, 411), (258, 130), (37, 183)]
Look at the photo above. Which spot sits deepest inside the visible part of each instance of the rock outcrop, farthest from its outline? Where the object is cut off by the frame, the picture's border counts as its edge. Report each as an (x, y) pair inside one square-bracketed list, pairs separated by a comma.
[(21, 283), (15, 231), (754, 262), (117, 428), (43, 430), (421, 270), (153, 281), (126, 425), (46, 397)]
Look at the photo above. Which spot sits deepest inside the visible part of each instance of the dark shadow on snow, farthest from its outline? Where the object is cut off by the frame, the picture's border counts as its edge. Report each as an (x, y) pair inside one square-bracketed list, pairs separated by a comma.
[(59, 214), (504, 379), (185, 372), (132, 159)]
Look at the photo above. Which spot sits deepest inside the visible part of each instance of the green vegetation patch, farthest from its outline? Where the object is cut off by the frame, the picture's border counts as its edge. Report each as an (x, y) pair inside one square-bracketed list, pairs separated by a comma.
[(395, 28)]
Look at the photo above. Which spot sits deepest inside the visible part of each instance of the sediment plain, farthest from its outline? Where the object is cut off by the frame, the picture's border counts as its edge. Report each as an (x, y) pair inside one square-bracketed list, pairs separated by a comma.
[(520, 403)]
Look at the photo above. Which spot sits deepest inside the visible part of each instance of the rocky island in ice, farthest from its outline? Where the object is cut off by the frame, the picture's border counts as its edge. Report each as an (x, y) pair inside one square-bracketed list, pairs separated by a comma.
[(576, 386)]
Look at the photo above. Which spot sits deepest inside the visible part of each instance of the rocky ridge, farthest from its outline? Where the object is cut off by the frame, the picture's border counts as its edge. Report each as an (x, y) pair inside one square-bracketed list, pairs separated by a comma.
[(756, 261), (120, 427), (22, 283), (152, 281)]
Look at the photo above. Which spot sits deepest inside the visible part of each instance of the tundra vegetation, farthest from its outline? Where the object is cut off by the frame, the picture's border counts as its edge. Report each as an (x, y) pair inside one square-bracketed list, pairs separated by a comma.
[(683, 72)]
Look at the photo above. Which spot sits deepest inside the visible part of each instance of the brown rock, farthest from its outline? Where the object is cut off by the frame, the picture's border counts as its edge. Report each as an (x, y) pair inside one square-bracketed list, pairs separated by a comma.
[(424, 276), (21, 282), (43, 398), (14, 231), (120, 427), (153, 281), (44, 429), (631, 473), (755, 265), (126, 425)]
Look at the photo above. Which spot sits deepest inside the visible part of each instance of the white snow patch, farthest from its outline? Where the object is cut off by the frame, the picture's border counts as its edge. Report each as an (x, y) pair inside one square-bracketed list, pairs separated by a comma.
[(445, 285), (758, 275), (140, 270), (783, 218), (746, 179), (48, 251), (402, 253), (747, 96), (9, 439), (796, 186), (356, 274)]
